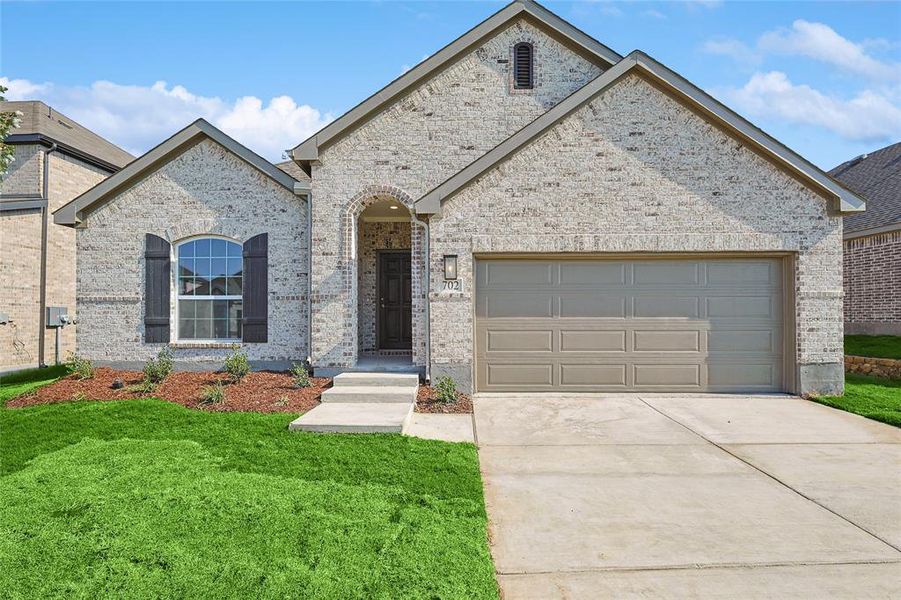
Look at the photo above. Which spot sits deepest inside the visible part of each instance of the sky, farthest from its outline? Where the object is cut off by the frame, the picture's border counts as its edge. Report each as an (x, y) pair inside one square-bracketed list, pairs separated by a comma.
[(823, 78)]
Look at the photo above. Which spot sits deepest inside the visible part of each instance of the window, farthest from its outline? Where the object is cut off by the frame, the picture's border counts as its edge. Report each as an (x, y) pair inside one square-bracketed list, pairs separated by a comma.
[(523, 71), (210, 285)]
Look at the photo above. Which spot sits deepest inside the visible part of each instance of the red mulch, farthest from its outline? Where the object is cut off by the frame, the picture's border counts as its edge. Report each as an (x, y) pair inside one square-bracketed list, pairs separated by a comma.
[(259, 391), (427, 402)]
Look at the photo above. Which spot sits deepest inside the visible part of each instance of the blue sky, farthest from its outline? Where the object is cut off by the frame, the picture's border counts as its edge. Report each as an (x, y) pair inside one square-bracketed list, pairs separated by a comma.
[(824, 78)]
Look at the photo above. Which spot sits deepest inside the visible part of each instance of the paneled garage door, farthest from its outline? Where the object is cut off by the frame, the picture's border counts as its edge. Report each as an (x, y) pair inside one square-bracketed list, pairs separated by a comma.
[(643, 325)]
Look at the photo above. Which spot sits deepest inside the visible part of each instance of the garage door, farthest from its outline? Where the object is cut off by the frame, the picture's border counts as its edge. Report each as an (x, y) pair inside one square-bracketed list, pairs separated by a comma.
[(642, 325)]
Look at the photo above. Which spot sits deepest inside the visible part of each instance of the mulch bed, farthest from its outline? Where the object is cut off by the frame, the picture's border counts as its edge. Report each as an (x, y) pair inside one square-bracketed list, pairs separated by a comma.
[(427, 402), (259, 391)]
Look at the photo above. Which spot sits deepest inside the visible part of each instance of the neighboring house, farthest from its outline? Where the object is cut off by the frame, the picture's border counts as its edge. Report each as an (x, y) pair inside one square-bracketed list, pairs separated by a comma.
[(524, 210), (873, 243), (56, 159)]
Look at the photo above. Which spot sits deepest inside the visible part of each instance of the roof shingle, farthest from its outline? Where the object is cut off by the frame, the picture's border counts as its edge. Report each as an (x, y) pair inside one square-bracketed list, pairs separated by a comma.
[(877, 177)]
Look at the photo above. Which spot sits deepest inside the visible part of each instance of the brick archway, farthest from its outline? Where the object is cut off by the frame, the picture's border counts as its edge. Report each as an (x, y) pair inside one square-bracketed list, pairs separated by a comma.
[(350, 230)]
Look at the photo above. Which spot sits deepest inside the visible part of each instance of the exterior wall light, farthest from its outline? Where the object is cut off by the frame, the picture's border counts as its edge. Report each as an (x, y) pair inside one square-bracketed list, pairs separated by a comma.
[(450, 267)]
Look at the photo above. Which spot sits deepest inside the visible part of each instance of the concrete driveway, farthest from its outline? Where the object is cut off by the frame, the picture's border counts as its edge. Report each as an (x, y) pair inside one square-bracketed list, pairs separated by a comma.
[(597, 495)]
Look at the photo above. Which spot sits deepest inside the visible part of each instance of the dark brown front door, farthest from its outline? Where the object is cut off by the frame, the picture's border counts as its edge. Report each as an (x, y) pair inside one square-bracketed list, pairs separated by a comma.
[(395, 301)]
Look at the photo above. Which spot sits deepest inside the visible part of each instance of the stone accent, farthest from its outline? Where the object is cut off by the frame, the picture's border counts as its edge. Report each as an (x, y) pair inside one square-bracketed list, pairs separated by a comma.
[(409, 148), (878, 367), (635, 171), (205, 190), (20, 254), (375, 236), (873, 284)]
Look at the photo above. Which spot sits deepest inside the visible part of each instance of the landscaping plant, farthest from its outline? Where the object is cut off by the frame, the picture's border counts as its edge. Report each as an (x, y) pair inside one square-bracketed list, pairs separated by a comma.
[(301, 375), (236, 364), (157, 369), (82, 368), (213, 394), (446, 390)]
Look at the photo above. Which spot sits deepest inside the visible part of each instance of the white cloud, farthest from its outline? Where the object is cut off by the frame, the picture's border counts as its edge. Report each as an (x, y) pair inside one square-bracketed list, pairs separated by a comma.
[(735, 49), (653, 14), (869, 116), (820, 42), (139, 117)]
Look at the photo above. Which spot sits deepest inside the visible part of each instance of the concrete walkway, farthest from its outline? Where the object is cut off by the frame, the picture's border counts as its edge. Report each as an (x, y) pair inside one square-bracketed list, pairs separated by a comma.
[(700, 496)]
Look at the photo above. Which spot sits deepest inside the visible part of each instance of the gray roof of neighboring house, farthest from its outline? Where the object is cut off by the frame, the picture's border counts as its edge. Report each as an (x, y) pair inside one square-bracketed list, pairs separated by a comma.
[(877, 177), (42, 121), (76, 210), (683, 91), (308, 150)]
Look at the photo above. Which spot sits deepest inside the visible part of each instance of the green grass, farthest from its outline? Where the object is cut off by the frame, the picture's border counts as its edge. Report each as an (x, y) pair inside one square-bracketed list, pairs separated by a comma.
[(22, 382), (871, 397), (146, 498), (876, 346)]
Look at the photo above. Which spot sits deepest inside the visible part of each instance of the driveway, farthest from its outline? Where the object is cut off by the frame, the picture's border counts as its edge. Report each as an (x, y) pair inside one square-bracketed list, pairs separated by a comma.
[(598, 495)]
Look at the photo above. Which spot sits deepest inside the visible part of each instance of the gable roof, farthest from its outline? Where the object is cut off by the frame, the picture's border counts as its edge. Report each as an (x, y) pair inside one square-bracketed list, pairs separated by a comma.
[(876, 176), (42, 123), (308, 151), (74, 212), (678, 87)]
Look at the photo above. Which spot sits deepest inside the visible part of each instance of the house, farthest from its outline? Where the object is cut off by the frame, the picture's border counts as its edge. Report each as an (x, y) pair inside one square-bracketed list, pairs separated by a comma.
[(524, 210), (56, 159), (872, 243)]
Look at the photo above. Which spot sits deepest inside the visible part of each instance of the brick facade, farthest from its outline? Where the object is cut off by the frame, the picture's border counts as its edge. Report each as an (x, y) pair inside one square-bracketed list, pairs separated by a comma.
[(634, 171), (20, 254), (872, 278), (204, 191), (409, 148)]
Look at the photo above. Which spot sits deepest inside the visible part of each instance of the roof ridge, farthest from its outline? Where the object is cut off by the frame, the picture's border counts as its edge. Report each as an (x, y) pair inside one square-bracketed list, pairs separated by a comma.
[(847, 200), (308, 150)]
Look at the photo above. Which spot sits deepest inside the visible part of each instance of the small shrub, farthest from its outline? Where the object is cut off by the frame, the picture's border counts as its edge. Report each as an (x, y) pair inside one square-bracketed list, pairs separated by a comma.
[(236, 364), (213, 394), (282, 401), (446, 390), (79, 397), (145, 388), (82, 368), (157, 369), (301, 375)]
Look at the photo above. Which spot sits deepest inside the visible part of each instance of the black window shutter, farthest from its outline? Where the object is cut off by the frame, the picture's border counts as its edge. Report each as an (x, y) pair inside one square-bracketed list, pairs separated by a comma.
[(522, 66), (157, 266), (255, 322)]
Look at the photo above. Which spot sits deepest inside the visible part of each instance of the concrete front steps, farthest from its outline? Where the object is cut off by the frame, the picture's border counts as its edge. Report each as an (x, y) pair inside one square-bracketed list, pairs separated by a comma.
[(363, 403)]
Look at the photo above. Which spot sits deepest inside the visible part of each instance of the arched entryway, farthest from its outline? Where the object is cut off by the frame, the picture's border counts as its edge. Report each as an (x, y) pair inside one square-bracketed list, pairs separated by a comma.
[(384, 285), (384, 280)]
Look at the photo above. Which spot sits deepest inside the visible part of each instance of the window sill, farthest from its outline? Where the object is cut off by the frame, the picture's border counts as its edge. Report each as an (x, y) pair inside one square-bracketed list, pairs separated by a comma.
[(206, 345)]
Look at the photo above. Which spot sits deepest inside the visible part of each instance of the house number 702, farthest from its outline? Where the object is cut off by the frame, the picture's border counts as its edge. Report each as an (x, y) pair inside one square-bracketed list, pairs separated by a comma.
[(453, 286)]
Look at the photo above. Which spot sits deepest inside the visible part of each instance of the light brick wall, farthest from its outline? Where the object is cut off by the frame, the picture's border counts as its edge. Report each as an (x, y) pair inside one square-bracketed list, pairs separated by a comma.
[(205, 190), (634, 171), (410, 147), (873, 284), (375, 236), (20, 254)]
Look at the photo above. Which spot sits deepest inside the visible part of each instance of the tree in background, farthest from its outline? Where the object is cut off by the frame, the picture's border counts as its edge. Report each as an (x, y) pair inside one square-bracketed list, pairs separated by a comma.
[(8, 122)]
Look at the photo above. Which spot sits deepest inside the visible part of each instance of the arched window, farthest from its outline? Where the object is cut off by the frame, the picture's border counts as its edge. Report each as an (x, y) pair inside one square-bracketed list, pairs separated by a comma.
[(523, 69), (210, 284)]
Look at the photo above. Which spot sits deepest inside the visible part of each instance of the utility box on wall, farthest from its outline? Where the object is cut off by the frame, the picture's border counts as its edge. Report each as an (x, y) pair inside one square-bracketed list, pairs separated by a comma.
[(57, 316)]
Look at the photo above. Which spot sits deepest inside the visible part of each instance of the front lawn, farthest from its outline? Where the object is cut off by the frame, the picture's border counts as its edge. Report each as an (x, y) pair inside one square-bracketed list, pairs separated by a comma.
[(876, 346), (147, 498), (871, 397)]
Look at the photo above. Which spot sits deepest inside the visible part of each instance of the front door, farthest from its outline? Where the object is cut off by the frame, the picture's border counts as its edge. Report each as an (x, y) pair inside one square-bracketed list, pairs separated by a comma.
[(395, 326)]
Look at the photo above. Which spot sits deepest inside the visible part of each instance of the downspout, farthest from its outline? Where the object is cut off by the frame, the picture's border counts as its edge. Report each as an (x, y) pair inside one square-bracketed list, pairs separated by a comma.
[(427, 287), (304, 189), (45, 221)]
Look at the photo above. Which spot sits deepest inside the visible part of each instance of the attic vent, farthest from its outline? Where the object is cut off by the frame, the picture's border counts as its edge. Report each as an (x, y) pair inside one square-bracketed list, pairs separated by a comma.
[(522, 66)]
